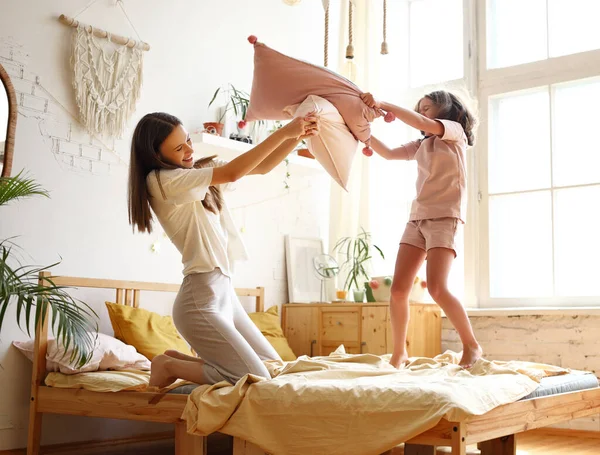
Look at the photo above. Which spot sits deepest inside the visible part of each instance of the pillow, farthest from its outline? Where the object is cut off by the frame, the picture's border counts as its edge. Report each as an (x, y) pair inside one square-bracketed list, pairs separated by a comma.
[(281, 81), (268, 323), (109, 354), (335, 146), (150, 333), (101, 381)]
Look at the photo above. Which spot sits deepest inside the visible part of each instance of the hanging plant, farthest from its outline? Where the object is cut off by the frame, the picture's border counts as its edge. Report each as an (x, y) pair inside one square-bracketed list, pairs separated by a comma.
[(286, 182)]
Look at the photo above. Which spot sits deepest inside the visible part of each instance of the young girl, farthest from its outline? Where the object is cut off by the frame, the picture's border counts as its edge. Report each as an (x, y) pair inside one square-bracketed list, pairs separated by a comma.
[(447, 128), (187, 199)]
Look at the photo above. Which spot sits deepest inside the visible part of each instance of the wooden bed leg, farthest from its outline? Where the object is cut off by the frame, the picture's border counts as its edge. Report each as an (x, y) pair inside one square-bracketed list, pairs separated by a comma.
[(34, 432), (500, 446), (418, 449), (241, 447), (38, 374), (459, 444), (188, 444)]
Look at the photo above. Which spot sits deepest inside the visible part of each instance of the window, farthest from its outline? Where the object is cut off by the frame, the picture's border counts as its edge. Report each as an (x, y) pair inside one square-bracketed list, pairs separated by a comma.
[(436, 29), (527, 31), (540, 164)]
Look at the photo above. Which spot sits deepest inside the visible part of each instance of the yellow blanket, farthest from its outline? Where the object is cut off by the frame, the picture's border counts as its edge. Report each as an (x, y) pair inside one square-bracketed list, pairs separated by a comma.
[(355, 403)]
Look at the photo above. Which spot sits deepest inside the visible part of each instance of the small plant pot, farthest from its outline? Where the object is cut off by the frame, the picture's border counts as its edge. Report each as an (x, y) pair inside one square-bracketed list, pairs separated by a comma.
[(341, 294), (305, 153), (215, 128), (359, 296)]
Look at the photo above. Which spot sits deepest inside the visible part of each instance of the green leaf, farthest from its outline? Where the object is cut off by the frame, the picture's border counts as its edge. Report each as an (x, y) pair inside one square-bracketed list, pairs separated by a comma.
[(214, 97), (71, 320), (19, 187), (380, 252)]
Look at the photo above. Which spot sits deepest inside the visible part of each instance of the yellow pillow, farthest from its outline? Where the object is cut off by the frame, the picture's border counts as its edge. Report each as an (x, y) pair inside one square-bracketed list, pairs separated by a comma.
[(268, 323), (149, 333)]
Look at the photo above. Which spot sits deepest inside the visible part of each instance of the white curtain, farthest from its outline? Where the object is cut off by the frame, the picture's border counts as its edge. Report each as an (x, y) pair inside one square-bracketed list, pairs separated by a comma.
[(350, 210)]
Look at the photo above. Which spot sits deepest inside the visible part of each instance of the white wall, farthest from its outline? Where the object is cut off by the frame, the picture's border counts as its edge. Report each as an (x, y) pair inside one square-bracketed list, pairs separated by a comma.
[(196, 46)]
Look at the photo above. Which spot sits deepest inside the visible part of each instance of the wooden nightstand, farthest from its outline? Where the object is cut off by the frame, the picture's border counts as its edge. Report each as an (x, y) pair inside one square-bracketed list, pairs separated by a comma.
[(319, 328)]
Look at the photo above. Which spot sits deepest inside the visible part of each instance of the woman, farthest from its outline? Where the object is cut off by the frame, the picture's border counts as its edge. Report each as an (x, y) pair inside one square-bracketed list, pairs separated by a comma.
[(187, 199)]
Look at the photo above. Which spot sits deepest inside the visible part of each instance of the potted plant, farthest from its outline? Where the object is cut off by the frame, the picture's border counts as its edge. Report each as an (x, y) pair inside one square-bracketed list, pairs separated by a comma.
[(303, 151), (72, 321), (236, 101), (357, 252)]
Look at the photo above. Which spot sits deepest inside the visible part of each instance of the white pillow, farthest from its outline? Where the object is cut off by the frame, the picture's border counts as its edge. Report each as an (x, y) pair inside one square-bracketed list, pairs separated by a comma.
[(109, 354), (335, 146)]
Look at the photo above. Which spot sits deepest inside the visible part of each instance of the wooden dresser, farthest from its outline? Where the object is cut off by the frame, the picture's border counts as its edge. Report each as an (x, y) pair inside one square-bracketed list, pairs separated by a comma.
[(319, 328)]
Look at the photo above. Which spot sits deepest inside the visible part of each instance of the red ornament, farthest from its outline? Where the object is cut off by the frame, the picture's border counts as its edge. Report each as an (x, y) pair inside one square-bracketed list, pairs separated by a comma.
[(242, 124), (389, 117), (252, 39), (424, 284), (367, 151), (374, 284)]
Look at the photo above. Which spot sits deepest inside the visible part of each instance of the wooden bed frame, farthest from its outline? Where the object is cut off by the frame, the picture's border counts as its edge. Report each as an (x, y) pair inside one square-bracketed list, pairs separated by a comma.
[(143, 406), (493, 432)]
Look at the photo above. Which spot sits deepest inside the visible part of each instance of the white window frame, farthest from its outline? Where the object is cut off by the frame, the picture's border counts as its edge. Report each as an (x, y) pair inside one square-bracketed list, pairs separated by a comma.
[(497, 81)]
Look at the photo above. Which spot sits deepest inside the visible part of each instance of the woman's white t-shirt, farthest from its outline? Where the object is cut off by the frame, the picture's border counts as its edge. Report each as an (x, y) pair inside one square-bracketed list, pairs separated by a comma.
[(205, 240)]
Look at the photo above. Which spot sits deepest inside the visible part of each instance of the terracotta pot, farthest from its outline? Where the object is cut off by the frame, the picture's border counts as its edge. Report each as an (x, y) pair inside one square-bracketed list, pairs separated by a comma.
[(213, 128), (305, 153)]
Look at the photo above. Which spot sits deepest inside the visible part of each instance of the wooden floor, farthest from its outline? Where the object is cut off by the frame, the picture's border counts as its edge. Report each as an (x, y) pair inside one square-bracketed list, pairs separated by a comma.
[(545, 443), (531, 443)]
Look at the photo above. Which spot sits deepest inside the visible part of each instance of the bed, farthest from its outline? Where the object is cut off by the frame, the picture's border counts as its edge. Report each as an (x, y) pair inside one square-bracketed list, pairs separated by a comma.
[(557, 399), (141, 406)]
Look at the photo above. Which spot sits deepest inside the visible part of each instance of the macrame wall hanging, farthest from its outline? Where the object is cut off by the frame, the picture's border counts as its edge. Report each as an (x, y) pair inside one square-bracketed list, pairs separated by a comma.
[(107, 77)]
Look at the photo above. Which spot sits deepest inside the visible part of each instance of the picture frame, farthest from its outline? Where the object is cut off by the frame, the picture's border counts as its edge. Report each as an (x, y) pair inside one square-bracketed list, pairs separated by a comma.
[(304, 285)]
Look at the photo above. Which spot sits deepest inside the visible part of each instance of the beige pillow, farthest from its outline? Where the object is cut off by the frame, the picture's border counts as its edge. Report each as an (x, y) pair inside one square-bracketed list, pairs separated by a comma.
[(109, 354)]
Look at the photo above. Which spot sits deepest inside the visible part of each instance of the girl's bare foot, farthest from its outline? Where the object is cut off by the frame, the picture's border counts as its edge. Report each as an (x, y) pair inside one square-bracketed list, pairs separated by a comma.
[(181, 356), (399, 360), (159, 374), (471, 354)]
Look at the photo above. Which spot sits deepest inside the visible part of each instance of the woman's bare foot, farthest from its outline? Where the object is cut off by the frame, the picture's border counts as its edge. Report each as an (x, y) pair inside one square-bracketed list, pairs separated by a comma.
[(471, 354), (181, 356), (159, 374), (399, 360)]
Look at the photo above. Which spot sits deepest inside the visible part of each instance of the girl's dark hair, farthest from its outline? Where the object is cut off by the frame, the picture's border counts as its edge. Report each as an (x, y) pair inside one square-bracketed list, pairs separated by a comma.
[(150, 132), (452, 108)]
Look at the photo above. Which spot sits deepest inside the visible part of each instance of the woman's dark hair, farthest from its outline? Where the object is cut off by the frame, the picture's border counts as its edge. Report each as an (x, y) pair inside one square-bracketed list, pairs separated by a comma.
[(150, 132), (452, 108)]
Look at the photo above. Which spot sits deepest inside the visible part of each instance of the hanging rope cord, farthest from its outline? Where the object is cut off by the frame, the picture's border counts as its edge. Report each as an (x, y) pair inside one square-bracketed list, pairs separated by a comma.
[(350, 48), (117, 2), (384, 44), (326, 44)]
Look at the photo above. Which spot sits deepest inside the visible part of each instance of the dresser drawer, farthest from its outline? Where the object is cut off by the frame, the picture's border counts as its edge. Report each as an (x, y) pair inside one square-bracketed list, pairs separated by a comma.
[(340, 325)]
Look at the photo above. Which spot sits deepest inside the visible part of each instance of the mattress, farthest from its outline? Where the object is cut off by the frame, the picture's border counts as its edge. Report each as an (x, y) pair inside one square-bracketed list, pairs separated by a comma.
[(551, 385)]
